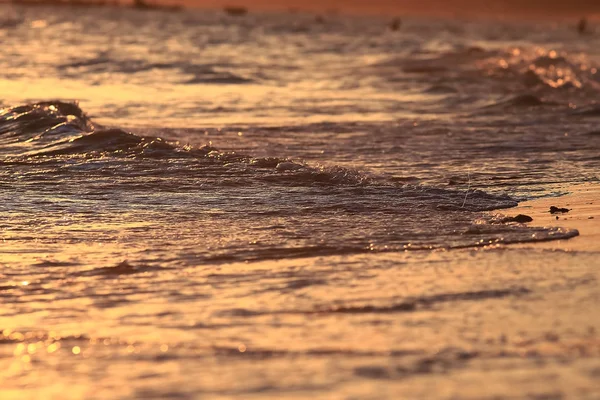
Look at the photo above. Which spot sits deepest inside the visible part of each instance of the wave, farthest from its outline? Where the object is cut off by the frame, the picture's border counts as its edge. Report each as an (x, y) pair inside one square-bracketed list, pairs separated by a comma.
[(335, 210), (407, 305), (524, 68), (478, 70), (588, 111), (188, 73), (55, 128), (520, 101)]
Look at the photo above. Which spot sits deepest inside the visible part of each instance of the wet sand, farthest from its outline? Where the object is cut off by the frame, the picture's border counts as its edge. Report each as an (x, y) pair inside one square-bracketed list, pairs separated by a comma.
[(583, 201), (545, 342), (502, 322), (534, 331), (525, 324)]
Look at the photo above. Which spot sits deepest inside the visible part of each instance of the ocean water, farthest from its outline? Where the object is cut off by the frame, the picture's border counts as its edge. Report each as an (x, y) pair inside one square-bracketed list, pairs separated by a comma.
[(199, 205)]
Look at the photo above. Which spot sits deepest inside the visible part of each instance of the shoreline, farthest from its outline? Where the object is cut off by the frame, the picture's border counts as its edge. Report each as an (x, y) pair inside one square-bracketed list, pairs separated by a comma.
[(583, 201)]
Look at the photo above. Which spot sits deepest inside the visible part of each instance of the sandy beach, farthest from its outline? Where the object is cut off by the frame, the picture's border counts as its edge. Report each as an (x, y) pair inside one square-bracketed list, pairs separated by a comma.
[(583, 203), (534, 331), (543, 342)]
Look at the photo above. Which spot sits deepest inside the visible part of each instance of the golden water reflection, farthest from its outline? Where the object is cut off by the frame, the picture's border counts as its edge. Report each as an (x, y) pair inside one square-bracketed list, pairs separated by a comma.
[(280, 313)]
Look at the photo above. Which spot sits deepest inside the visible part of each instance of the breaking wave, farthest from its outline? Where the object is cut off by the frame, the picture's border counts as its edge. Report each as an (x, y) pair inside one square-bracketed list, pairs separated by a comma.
[(294, 209)]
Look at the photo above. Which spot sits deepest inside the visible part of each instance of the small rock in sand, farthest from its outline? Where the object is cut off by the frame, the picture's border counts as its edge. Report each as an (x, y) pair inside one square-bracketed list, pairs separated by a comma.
[(556, 210), (521, 218)]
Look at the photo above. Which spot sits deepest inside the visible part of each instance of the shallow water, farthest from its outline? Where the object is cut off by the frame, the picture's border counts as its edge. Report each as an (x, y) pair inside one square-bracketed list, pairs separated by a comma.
[(232, 205)]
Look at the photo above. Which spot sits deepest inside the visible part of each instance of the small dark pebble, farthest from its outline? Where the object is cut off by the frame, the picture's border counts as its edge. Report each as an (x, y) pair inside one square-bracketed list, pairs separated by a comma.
[(395, 24), (521, 218), (557, 217), (590, 217), (556, 210)]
